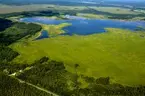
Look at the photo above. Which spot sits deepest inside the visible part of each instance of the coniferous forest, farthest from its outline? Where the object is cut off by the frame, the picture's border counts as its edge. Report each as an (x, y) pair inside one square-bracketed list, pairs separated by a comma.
[(67, 64)]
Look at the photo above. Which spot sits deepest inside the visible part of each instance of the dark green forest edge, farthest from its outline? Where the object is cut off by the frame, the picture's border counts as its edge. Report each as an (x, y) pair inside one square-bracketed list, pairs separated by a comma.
[(74, 13), (51, 75)]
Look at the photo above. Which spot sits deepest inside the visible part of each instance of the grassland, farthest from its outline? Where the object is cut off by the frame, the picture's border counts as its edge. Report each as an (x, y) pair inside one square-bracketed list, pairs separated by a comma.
[(94, 16), (37, 7), (115, 10), (54, 30), (33, 7), (58, 12), (117, 53)]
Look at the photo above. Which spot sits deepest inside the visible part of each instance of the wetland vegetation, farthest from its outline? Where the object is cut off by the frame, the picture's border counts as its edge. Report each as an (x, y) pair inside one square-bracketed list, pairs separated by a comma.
[(45, 52)]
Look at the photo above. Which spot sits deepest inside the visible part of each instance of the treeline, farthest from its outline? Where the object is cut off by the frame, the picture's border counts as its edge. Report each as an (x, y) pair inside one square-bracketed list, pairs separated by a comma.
[(53, 76), (125, 16), (4, 23), (32, 13), (7, 54), (10, 67), (108, 14), (14, 32), (113, 15), (11, 87), (73, 12), (18, 31)]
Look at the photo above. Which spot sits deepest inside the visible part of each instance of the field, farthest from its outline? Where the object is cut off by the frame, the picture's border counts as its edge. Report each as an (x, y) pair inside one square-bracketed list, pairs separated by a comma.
[(12, 12), (12, 8), (36, 7), (115, 10), (117, 53), (95, 16)]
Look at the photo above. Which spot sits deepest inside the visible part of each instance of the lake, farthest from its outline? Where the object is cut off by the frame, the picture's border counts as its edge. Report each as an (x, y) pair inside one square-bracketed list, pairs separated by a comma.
[(83, 26), (44, 34)]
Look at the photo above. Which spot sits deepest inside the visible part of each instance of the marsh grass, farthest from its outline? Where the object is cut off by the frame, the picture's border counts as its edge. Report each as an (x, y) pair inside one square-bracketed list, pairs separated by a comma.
[(117, 53)]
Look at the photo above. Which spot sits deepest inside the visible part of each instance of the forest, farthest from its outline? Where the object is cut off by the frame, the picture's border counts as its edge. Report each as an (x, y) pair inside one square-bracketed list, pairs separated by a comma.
[(18, 31), (4, 23), (11, 87), (10, 33), (53, 76), (46, 77)]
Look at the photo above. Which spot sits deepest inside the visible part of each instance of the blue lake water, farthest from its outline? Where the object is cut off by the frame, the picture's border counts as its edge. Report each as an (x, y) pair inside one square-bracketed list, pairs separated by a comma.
[(82, 26), (44, 34)]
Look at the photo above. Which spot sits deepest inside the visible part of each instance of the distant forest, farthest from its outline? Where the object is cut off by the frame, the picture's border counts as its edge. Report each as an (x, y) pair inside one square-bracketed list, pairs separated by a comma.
[(66, 12), (107, 3)]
